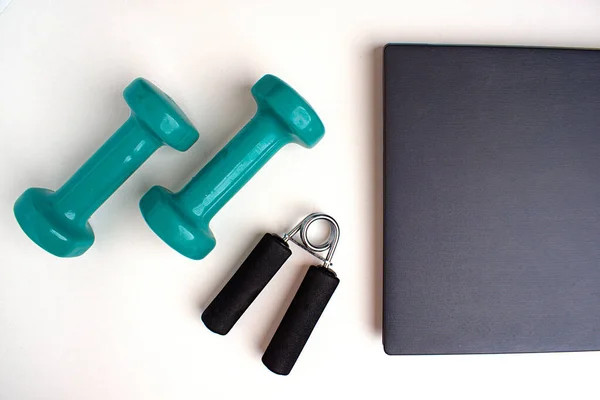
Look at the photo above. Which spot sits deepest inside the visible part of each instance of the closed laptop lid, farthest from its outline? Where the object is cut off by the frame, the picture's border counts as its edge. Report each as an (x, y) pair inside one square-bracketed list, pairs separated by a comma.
[(492, 199)]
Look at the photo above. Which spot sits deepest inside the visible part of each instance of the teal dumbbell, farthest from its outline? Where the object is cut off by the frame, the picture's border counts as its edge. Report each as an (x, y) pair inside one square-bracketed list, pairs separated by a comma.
[(58, 221), (182, 219)]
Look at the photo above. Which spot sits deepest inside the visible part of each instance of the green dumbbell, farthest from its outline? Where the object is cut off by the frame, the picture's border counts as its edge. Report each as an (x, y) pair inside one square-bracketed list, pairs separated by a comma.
[(182, 219), (58, 221)]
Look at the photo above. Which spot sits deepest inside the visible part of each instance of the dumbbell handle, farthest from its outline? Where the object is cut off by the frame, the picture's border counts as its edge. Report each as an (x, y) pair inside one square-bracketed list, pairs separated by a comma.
[(233, 166), (246, 284), (106, 170)]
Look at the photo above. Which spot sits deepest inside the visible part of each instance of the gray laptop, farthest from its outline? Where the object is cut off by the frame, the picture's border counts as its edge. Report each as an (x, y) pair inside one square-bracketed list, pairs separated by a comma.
[(492, 199)]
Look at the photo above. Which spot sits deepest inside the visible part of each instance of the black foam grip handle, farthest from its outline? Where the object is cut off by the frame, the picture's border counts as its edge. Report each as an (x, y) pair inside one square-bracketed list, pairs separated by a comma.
[(245, 285), (300, 319)]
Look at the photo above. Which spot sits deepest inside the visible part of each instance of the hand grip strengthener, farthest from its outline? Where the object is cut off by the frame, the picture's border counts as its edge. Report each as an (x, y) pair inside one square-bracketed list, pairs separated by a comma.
[(308, 304)]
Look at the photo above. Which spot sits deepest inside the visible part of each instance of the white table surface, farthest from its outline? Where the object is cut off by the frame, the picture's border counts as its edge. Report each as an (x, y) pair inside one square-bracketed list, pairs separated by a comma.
[(123, 320)]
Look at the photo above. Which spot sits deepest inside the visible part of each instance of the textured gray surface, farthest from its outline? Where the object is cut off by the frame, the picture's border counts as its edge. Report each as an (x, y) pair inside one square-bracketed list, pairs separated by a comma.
[(492, 200)]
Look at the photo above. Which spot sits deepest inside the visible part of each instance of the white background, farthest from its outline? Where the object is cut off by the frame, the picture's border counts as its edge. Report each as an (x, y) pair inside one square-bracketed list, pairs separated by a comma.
[(123, 320)]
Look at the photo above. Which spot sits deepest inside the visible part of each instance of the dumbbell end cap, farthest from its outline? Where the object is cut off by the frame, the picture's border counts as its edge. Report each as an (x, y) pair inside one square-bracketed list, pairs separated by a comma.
[(159, 113), (291, 109), (49, 229), (165, 218)]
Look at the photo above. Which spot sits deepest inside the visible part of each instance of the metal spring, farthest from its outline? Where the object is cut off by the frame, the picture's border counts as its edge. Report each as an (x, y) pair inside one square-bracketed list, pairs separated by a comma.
[(328, 245)]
